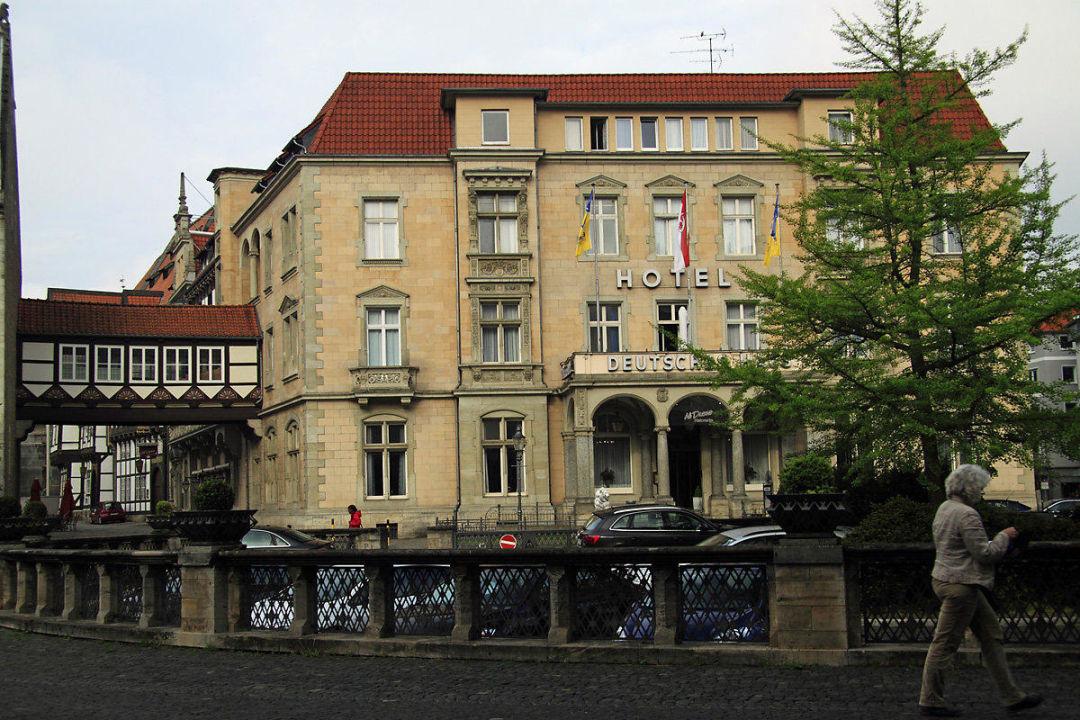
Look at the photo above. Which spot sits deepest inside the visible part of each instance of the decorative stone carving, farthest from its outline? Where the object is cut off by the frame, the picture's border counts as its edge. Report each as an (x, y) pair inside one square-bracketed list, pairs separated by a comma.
[(739, 181), (662, 395), (669, 181), (384, 381)]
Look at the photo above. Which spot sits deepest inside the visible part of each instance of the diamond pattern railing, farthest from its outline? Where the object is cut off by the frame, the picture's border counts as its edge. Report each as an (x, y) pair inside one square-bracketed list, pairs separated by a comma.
[(896, 601), (514, 602), (423, 600), (614, 603), (129, 600), (1040, 600), (490, 539), (724, 603), (341, 599), (91, 587), (171, 596), (266, 597)]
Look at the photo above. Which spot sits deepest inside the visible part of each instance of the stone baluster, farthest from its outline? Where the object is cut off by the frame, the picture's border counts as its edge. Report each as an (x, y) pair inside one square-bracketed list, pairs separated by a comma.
[(561, 596), (49, 589), (380, 577), (153, 595), (666, 602), (305, 602), (26, 587), (663, 466), (466, 601)]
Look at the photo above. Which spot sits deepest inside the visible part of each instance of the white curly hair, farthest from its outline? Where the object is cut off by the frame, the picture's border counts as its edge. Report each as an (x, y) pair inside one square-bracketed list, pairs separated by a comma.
[(967, 482)]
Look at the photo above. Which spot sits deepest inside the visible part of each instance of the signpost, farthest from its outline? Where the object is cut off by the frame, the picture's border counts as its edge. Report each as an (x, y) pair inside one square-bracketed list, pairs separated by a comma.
[(508, 542)]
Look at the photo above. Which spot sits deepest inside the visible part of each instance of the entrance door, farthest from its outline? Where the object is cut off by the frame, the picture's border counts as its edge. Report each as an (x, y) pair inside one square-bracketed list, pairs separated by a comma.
[(684, 458)]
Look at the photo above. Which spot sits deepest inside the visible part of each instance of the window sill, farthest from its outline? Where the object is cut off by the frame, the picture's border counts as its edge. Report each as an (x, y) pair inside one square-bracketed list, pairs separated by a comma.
[(382, 261), (290, 378), (288, 273)]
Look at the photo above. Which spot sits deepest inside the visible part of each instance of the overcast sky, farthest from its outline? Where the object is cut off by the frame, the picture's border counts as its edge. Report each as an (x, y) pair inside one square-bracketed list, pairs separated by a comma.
[(115, 98)]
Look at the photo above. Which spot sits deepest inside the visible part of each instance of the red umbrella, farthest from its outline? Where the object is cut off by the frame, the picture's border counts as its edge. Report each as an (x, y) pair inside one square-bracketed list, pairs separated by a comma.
[(67, 503), (35, 491)]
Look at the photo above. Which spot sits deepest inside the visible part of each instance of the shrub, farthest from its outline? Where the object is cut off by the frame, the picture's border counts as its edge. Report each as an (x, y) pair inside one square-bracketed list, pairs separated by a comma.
[(1032, 526), (865, 491), (163, 508), (35, 509), (896, 520), (9, 506), (810, 473), (214, 495)]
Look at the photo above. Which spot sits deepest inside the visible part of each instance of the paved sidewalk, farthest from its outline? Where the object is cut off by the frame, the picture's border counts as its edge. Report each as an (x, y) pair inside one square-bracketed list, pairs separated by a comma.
[(49, 677)]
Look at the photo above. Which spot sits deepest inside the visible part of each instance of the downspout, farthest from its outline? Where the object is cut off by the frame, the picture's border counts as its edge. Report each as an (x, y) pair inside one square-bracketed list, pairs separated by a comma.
[(457, 305)]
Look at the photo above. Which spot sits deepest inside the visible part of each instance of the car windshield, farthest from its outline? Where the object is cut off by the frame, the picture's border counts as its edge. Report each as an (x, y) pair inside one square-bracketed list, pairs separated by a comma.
[(594, 522)]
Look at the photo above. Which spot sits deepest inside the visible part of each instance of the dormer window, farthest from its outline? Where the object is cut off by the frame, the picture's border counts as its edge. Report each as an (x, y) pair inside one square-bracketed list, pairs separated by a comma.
[(495, 127)]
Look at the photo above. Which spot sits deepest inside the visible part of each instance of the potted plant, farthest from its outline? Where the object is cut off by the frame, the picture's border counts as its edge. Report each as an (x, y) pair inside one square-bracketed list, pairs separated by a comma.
[(698, 502), (808, 502), (12, 526), (162, 519), (213, 519)]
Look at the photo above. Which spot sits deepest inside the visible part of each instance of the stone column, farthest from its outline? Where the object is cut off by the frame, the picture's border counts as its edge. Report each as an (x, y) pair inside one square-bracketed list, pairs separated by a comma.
[(719, 474), (380, 579), (645, 443), (663, 465), (205, 590), (809, 610), (665, 577), (107, 594), (153, 594), (73, 593), (49, 589), (305, 602), (738, 468), (583, 446), (26, 588), (561, 589), (9, 583), (466, 601)]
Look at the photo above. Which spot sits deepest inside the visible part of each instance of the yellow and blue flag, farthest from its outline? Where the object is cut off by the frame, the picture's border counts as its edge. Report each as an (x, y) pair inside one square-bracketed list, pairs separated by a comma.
[(583, 238), (772, 247)]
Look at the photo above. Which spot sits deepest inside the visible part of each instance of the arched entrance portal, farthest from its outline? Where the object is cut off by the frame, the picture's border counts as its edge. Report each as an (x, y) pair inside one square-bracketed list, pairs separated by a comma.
[(624, 451), (693, 422)]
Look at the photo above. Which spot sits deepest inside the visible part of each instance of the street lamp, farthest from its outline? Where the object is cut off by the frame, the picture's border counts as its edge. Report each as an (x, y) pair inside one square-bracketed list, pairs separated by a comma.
[(766, 491), (519, 448)]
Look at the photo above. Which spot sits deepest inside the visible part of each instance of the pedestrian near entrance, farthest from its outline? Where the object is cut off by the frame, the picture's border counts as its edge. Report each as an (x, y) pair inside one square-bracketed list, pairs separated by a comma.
[(963, 578), (354, 517)]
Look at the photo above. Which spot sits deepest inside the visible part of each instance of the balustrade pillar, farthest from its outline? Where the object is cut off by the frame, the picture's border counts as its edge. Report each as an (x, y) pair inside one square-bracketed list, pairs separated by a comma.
[(647, 489), (205, 591), (380, 577), (9, 576), (73, 593), (809, 609), (738, 465), (466, 601), (305, 602), (153, 595), (26, 587), (663, 465), (107, 594), (561, 598), (666, 602), (49, 589)]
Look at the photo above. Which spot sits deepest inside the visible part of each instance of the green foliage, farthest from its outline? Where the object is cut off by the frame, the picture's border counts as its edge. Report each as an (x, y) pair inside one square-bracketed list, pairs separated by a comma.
[(809, 473), (865, 488), (1032, 526), (897, 520), (214, 495), (164, 508), (35, 509), (9, 506), (906, 352)]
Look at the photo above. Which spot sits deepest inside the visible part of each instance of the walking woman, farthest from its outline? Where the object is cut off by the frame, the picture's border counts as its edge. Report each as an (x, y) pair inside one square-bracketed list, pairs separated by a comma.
[(962, 578)]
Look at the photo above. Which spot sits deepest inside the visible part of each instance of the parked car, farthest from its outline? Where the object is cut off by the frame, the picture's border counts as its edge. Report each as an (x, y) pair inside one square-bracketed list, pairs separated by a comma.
[(108, 513), (756, 535), (1068, 507), (1010, 505), (645, 526), (282, 538)]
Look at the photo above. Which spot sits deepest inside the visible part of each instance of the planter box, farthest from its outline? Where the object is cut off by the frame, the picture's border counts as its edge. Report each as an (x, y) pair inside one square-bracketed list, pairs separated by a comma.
[(809, 513), (218, 526), (160, 522)]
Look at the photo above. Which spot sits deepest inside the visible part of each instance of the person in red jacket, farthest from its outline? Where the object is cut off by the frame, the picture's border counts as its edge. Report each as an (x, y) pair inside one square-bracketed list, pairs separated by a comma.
[(354, 517)]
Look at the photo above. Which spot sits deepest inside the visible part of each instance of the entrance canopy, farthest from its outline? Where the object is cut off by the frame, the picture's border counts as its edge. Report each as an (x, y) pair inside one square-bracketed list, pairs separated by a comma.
[(697, 411)]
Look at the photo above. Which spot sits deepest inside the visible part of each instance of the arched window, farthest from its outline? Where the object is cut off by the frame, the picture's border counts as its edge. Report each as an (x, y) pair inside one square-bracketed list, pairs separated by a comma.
[(253, 266), (245, 270), (611, 450)]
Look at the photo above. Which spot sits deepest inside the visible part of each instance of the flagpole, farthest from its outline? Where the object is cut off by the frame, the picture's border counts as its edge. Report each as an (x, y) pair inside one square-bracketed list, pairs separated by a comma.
[(779, 255), (686, 274), (596, 264)]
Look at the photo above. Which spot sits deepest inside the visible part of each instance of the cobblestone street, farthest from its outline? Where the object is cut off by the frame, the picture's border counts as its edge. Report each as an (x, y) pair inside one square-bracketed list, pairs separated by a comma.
[(58, 677)]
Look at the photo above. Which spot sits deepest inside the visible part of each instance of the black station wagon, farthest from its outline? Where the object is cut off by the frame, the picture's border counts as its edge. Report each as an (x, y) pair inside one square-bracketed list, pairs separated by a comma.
[(646, 526)]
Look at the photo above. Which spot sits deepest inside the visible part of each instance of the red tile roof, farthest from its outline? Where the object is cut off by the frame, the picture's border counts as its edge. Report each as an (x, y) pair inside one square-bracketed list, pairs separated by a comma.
[(47, 317), (203, 223), (125, 297), (1061, 322), (401, 113)]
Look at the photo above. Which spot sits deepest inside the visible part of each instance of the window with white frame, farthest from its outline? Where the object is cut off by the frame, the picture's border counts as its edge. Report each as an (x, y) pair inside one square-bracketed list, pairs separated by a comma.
[(666, 224), (572, 126), (611, 451), (501, 467), (384, 459), (648, 134), (624, 133), (383, 336), (497, 222), (605, 334), (672, 325), (211, 361), (739, 231), (840, 235), (724, 139), (840, 127), (946, 242), (699, 133), (598, 133), (381, 230), (748, 133), (500, 331), (177, 364), (74, 363), (495, 127), (673, 139), (604, 227), (1068, 373), (108, 364), (742, 326), (142, 365)]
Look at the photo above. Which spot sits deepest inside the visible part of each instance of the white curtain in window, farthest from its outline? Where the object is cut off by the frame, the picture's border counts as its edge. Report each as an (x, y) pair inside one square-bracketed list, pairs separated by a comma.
[(612, 453)]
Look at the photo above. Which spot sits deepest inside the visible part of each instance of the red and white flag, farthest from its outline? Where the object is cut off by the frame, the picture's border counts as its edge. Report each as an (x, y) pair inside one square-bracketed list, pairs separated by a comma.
[(682, 253)]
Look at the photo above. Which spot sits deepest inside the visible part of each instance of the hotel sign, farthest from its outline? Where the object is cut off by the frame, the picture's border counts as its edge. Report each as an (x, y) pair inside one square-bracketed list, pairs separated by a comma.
[(646, 362), (698, 277)]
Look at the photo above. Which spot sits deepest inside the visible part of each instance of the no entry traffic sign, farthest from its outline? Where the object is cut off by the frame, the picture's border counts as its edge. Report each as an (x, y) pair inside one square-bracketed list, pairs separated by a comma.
[(508, 542)]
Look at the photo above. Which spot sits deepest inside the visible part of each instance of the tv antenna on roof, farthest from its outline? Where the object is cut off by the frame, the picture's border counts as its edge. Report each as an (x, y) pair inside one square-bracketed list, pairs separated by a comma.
[(713, 51)]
